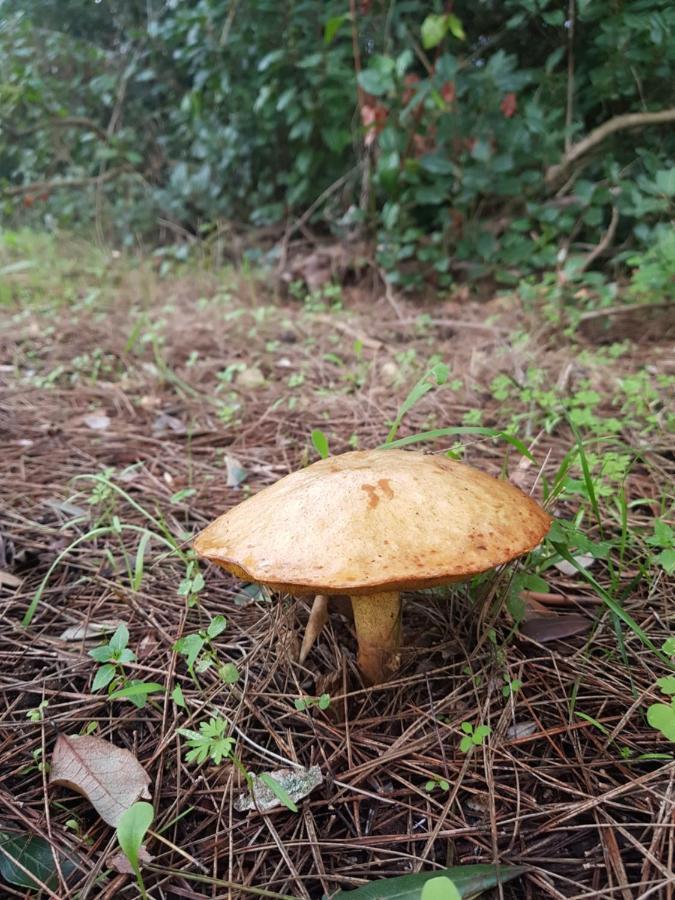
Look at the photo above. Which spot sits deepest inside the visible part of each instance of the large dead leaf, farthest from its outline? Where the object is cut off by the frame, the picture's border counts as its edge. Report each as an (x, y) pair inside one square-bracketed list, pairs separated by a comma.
[(110, 777), (555, 628)]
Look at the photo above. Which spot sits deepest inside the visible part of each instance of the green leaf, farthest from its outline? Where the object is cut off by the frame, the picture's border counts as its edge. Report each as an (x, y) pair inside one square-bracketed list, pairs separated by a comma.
[(374, 82), (465, 744), (666, 559), (35, 855), (102, 653), (217, 625), (140, 560), (120, 639), (440, 888), (190, 647), (469, 881), (662, 717), (103, 677), (279, 792), (669, 646), (667, 684), (434, 29), (229, 673), (435, 377), (177, 697), (455, 27), (131, 830), (320, 443), (137, 689), (332, 27)]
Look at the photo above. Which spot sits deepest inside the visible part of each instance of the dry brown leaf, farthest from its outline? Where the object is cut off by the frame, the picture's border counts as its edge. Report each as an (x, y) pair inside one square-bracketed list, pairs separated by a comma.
[(552, 627), (110, 777), (97, 421), (119, 862), (89, 630), (9, 580), (317, 619)]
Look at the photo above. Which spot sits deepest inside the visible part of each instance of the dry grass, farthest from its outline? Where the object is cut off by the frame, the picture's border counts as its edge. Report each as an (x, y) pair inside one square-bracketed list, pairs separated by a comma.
[(549, 789)]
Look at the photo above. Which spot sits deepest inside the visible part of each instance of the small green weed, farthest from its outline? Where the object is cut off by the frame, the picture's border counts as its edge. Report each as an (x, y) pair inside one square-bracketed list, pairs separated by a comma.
[(210, 742), (473, 737), (114, 656), (303, 703)]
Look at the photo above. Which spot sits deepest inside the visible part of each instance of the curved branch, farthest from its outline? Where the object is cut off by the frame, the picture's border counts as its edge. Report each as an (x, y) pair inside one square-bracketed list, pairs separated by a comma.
[(39, 187), (618, 123), (64, 122)]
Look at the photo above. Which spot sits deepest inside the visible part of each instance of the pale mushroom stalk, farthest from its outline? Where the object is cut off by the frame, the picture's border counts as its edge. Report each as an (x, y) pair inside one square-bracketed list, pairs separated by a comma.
[(377, 619)]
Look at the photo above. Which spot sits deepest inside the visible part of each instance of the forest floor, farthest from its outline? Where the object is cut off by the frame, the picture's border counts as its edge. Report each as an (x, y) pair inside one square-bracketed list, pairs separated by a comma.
[(133, 404)]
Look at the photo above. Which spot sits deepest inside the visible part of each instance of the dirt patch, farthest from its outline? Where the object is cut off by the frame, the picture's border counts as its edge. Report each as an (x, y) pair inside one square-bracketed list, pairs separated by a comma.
[(156, 391)]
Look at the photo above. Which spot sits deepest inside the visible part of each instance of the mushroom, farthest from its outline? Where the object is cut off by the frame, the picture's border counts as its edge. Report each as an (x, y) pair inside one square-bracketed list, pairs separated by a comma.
[(371, 524)]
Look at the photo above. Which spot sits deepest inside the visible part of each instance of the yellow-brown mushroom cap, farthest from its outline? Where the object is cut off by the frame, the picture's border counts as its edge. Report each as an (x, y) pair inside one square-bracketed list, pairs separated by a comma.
[(374, 520)]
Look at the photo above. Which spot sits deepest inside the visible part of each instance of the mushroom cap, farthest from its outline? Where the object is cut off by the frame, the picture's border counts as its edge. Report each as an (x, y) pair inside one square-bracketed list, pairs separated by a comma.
[(374, 520)]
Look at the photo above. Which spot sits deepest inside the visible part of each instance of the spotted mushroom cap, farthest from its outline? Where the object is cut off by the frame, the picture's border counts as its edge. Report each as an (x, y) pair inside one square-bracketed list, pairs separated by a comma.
[(374, 520)]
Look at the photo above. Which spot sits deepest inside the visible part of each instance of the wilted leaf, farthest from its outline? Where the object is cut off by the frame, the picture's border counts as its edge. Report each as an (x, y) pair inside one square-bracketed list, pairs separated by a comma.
[(554, 628), (35, 855), (119, 862), (295, 784), (585, 561), (97, 421), (110, 777), (89, 630), (9, 580), (470, 881), (166, 424), (317, 619), (236, 473)]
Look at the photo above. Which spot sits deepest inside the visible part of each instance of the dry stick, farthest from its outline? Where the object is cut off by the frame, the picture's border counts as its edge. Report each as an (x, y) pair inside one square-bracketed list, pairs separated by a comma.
[(40, 186), (604, 243), (618, 123), (570, 76)]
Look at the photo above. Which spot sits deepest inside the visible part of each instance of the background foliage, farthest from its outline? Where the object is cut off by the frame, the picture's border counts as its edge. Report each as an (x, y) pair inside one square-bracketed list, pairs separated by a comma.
[(428, 129)]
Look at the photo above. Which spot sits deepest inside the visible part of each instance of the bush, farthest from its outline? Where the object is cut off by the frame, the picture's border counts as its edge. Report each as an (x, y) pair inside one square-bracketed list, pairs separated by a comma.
[(436, 136)]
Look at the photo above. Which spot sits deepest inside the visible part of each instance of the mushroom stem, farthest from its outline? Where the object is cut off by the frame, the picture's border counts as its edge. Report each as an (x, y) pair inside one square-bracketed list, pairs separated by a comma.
[(377, 618)]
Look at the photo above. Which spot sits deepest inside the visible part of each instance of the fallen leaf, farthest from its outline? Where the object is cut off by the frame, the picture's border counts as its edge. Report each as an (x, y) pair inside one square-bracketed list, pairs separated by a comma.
[(297, 783), (35, 855), (166, 424), (521, 729), (554, 628), (121, 864), (470, 881), (317, 619), (68, 508), (9, 580), (585, 561), (89, 630), (110, 777), (236, 473), (250, 378), (97, 421)]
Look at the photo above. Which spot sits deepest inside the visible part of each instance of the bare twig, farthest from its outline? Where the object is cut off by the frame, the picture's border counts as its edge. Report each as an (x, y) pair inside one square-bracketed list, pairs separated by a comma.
[(601, 133)]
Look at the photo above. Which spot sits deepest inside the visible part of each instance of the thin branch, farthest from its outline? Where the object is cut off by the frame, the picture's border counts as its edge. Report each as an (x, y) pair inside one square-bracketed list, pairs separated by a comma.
[(604, 243), (39, 187), (599, 134), (65, 122), (569, 112)]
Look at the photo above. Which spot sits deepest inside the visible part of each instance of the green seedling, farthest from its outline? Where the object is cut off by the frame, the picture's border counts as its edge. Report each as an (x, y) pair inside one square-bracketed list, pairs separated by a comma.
[(114, 656), (511, 686), (198, 651), (210, 742), (473, 737), (435, 783), (663, 540), (37, 713), (303, 703), (131, 830), (192, 584)]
